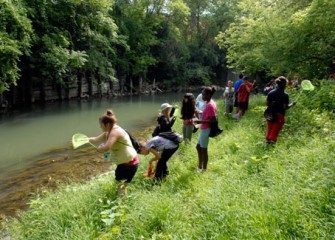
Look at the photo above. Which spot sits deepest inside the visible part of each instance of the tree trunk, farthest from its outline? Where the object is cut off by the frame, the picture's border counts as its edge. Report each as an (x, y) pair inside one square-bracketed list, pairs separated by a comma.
[(99, 82), (59, 92), (67, 91), (89, 83), (140, 85), (121, 83), (79, 84), (12, 96), (131, 86), (42, 91), (3, 103), (24, 96)]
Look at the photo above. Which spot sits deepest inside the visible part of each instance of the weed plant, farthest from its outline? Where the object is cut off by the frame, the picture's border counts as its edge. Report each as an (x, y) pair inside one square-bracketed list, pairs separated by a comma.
[(250, 191)]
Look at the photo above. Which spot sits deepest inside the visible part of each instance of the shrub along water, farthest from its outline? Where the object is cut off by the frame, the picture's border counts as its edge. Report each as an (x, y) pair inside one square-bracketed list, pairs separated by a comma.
[(250, 191)]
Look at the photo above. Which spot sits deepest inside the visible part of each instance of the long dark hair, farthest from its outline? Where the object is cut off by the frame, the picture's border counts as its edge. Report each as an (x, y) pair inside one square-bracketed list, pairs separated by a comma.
[(188, 108)]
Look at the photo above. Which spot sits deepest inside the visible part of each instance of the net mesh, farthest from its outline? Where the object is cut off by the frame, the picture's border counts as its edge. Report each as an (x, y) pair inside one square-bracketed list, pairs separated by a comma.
[(79, 139), (307, 85)]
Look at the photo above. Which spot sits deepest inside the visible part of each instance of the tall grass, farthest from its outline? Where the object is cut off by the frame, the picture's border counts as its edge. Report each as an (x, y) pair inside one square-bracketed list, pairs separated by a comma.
[(250, 191)]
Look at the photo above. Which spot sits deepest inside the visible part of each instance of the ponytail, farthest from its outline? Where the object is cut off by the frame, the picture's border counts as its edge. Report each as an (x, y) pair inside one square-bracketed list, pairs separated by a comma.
[(108, 117), (210, 90)]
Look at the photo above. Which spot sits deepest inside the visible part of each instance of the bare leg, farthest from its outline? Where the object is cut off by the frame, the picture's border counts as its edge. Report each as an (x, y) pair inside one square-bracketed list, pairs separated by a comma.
[(122, 189), (204, 157), (199, 150)]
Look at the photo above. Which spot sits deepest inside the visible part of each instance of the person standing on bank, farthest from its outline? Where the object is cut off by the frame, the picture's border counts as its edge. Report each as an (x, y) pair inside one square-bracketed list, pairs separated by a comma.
[(279, 99), (188, 111), (200, 105), (228, 97), (116, 141), (243, 98), (209, 114), (165, 119), (237, 84)]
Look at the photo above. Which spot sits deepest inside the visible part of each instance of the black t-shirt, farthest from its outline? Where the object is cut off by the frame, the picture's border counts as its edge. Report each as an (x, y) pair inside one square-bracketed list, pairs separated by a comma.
[(278, 97)]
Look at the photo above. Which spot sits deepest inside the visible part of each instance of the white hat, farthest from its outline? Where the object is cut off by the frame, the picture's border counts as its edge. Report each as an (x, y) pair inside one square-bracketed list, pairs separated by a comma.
[(165, 106)]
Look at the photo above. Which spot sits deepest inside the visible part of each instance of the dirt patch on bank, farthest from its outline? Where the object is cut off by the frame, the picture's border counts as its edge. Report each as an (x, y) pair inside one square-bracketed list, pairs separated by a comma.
[(48, 171), (58, 166)]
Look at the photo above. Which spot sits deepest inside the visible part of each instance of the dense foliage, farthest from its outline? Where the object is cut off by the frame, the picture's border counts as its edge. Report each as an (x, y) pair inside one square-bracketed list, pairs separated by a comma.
[(250, 191), (172, 42), (15, 38), (282, 37), (62, 42)]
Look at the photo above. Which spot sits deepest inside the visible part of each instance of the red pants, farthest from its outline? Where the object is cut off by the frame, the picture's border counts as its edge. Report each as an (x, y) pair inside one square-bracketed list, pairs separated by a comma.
[(274, 128)]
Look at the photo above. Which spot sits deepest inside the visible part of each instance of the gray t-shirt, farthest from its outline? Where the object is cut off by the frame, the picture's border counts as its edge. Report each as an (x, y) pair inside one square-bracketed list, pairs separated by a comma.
[(159, 144)]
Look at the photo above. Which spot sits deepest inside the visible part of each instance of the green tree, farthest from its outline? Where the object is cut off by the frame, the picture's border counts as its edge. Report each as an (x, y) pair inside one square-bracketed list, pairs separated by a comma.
[(15, 38), (282, 37), (71, 38), (207, 62), (137, 22)]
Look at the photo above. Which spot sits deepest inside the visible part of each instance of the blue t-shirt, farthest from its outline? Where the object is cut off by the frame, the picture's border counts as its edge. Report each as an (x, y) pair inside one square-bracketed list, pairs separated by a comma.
[(237, 84), (279, 97)]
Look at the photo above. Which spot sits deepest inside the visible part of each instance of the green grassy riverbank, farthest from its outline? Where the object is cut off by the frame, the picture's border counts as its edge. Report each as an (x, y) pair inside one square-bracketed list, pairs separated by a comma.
[(250, 191)]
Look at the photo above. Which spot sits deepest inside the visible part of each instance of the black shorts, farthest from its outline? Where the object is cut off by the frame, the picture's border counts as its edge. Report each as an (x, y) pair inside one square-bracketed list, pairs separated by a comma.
[(125, 172), (243, 105)]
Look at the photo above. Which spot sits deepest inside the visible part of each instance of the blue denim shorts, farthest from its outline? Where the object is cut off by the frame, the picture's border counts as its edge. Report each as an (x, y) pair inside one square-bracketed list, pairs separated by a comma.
[(204, 137)]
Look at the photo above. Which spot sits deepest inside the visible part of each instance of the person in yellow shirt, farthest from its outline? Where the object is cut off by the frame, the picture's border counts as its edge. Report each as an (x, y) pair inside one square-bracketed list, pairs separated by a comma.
[(116, 141)]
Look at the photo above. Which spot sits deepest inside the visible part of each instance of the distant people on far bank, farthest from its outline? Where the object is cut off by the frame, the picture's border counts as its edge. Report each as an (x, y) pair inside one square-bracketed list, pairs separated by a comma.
[(228, 97), (237, 84), (278, 100), (165, 119), (200, 105), (209, 114), (188, 113), (243, 98)]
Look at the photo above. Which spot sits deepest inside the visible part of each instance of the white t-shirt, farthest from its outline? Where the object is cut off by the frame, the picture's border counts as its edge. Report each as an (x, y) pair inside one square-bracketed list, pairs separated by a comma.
[(200, 103)]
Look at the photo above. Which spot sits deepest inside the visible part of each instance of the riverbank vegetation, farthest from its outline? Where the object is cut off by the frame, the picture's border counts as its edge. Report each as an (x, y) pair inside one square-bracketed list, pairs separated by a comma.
[(55, 50), (250, 191)]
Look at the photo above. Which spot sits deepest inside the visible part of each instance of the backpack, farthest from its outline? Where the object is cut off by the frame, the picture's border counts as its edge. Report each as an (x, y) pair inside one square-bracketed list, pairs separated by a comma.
[(163, 128), (215, 130), (134, 142), (156, 131), (172, 136)]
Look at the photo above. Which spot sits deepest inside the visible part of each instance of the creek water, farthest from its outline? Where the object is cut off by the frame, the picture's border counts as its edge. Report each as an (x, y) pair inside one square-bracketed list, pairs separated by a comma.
[(32, 139)]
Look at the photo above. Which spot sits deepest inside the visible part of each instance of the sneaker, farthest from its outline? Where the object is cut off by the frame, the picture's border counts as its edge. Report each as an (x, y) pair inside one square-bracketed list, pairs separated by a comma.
[(236, 116)]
